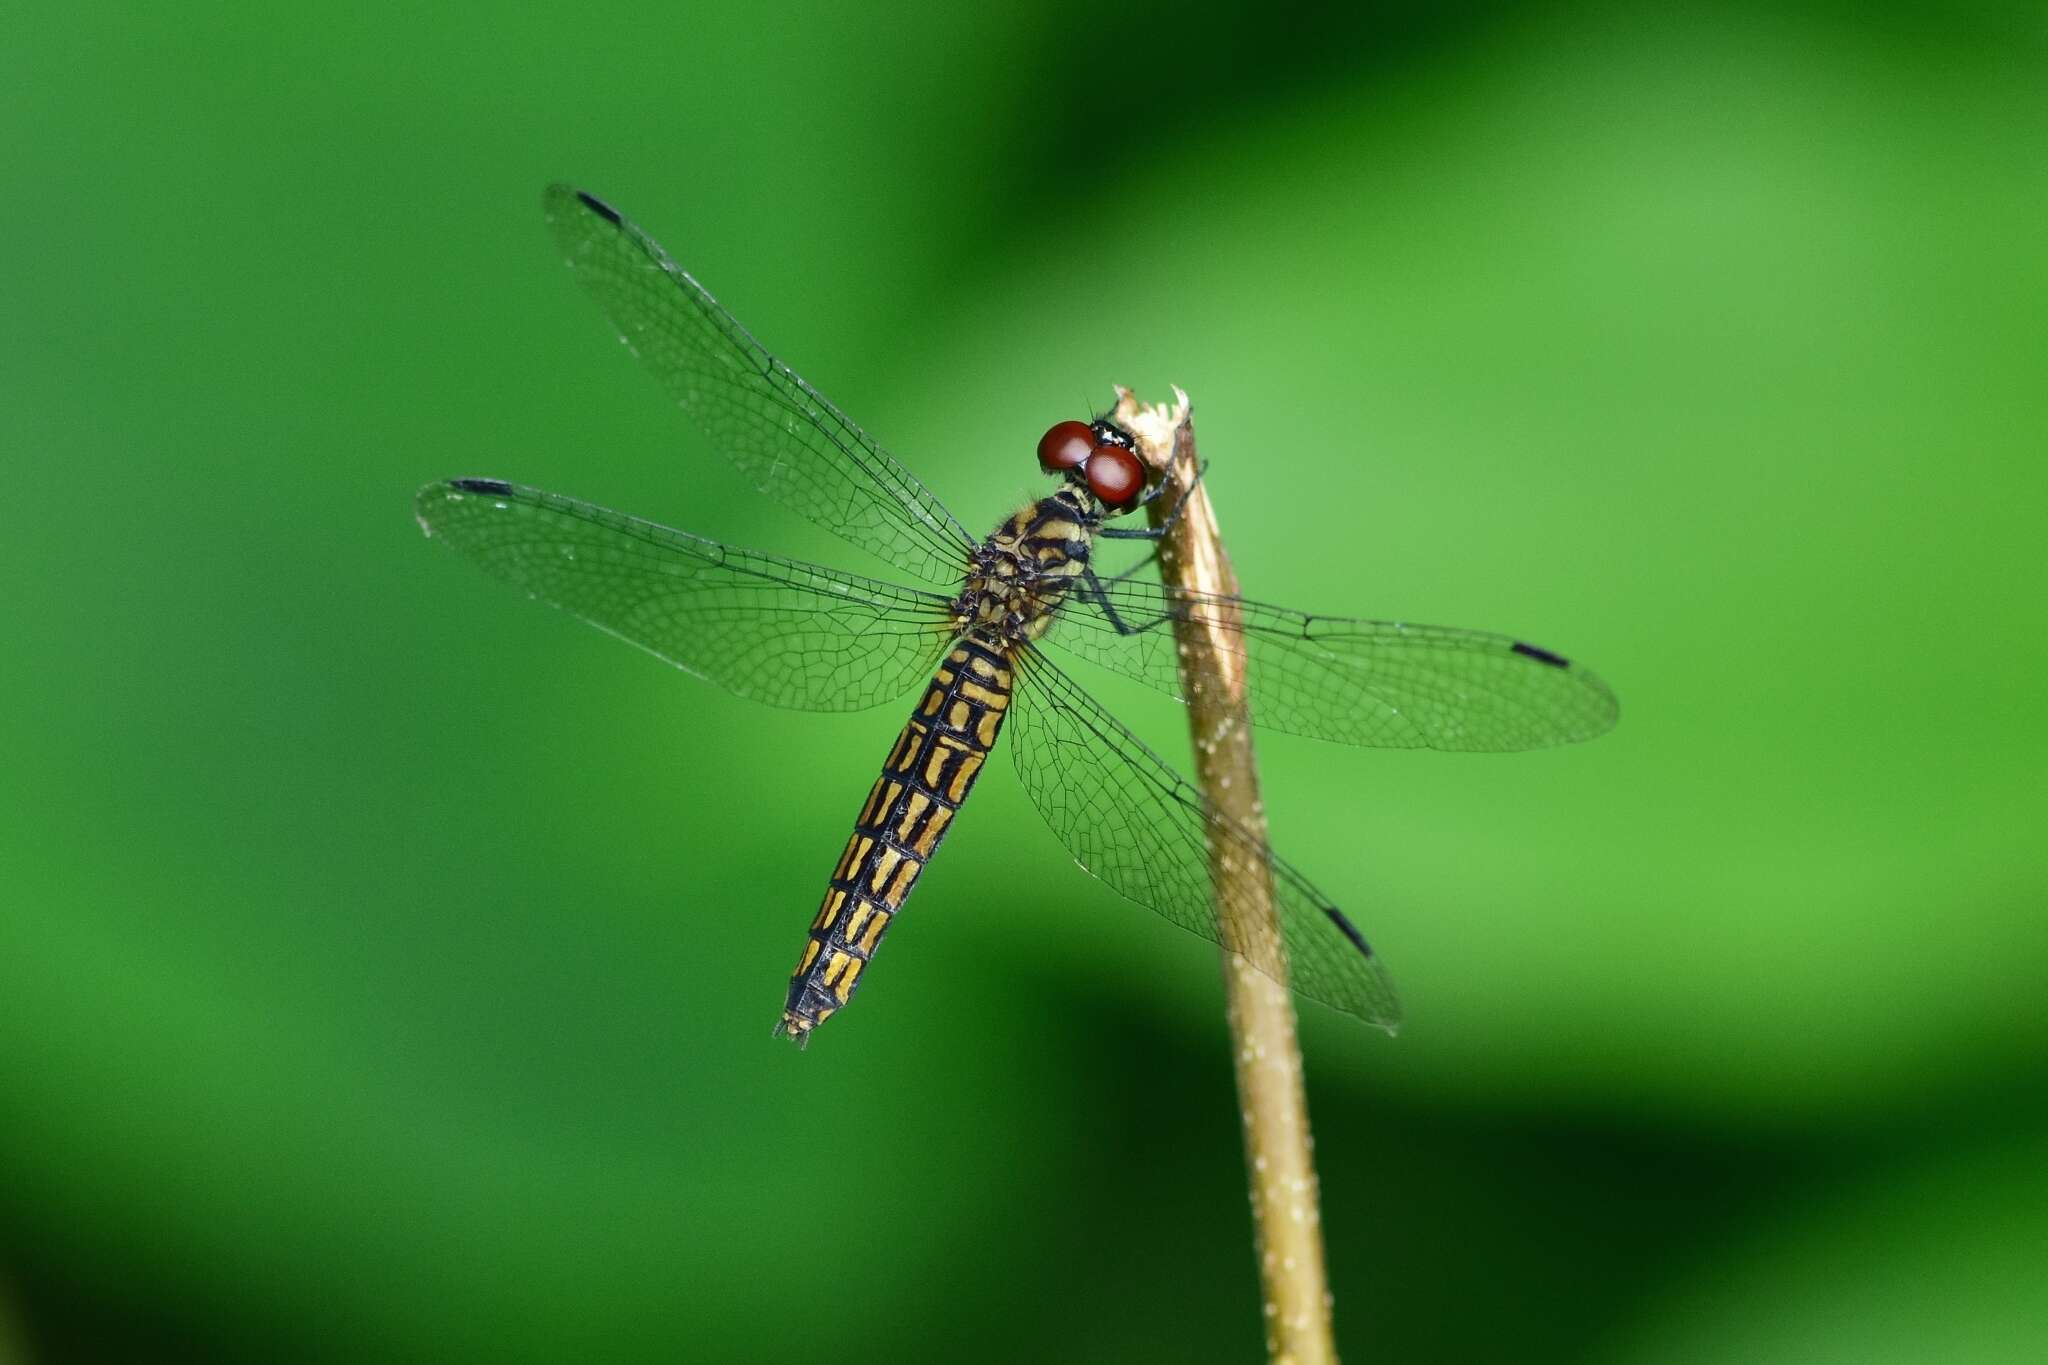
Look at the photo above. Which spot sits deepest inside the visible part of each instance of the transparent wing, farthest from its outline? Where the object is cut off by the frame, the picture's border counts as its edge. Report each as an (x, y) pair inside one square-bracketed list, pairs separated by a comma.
[(780, 431), (778, 630), (1384, 684), (1141, 827)]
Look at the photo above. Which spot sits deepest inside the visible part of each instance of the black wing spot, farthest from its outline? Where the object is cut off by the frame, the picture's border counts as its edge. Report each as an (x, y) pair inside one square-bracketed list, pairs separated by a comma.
[(1349, 929), (1542, 656), (495, 487), (600, 208)]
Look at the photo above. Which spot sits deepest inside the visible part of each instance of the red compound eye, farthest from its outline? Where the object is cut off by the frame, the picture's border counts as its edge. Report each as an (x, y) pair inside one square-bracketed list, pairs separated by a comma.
[(1065, 446), (1116, 476)]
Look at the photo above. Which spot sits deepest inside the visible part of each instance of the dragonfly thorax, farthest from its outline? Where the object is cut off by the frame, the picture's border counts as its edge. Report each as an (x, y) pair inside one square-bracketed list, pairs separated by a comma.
[(1017, 577)]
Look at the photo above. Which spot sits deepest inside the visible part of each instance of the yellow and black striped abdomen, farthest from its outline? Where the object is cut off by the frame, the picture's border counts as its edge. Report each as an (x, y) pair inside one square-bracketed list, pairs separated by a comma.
[(927, 777)]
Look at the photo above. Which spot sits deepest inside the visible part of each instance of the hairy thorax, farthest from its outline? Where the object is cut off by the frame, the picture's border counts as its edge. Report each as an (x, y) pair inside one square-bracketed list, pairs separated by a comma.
[(1019, 576)]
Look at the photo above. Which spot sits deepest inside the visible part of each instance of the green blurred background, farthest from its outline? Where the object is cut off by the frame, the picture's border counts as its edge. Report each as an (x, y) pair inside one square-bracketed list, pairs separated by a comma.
[(378, 983)]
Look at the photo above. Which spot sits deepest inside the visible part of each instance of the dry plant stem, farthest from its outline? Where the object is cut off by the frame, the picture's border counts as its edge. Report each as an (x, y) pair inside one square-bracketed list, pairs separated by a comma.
[(1278, 1143)]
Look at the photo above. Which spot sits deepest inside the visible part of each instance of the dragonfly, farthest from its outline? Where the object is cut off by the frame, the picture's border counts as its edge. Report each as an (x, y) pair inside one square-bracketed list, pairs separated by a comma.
[(983, 627)]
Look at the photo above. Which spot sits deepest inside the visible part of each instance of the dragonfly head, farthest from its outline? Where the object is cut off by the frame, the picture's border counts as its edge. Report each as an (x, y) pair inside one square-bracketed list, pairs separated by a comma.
[(1097, 456)]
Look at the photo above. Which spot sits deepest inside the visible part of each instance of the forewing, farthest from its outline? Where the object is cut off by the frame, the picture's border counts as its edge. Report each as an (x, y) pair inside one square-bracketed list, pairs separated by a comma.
[(1383, 684), (780, 431), (1130, 819), (778, 630)]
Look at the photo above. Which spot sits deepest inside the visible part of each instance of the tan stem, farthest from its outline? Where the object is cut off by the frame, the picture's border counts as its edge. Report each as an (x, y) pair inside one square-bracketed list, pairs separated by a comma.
[(1278, 1143)]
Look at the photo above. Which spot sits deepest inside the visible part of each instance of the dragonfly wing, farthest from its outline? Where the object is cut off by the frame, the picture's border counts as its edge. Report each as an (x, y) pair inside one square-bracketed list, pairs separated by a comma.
[(1383, 684), (777, 630), (1131, 820), (780, 431)]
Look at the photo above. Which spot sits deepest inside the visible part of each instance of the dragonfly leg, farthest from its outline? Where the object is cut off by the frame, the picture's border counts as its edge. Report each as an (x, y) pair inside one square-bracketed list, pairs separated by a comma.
[(1092, 586), (1156, 532)]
